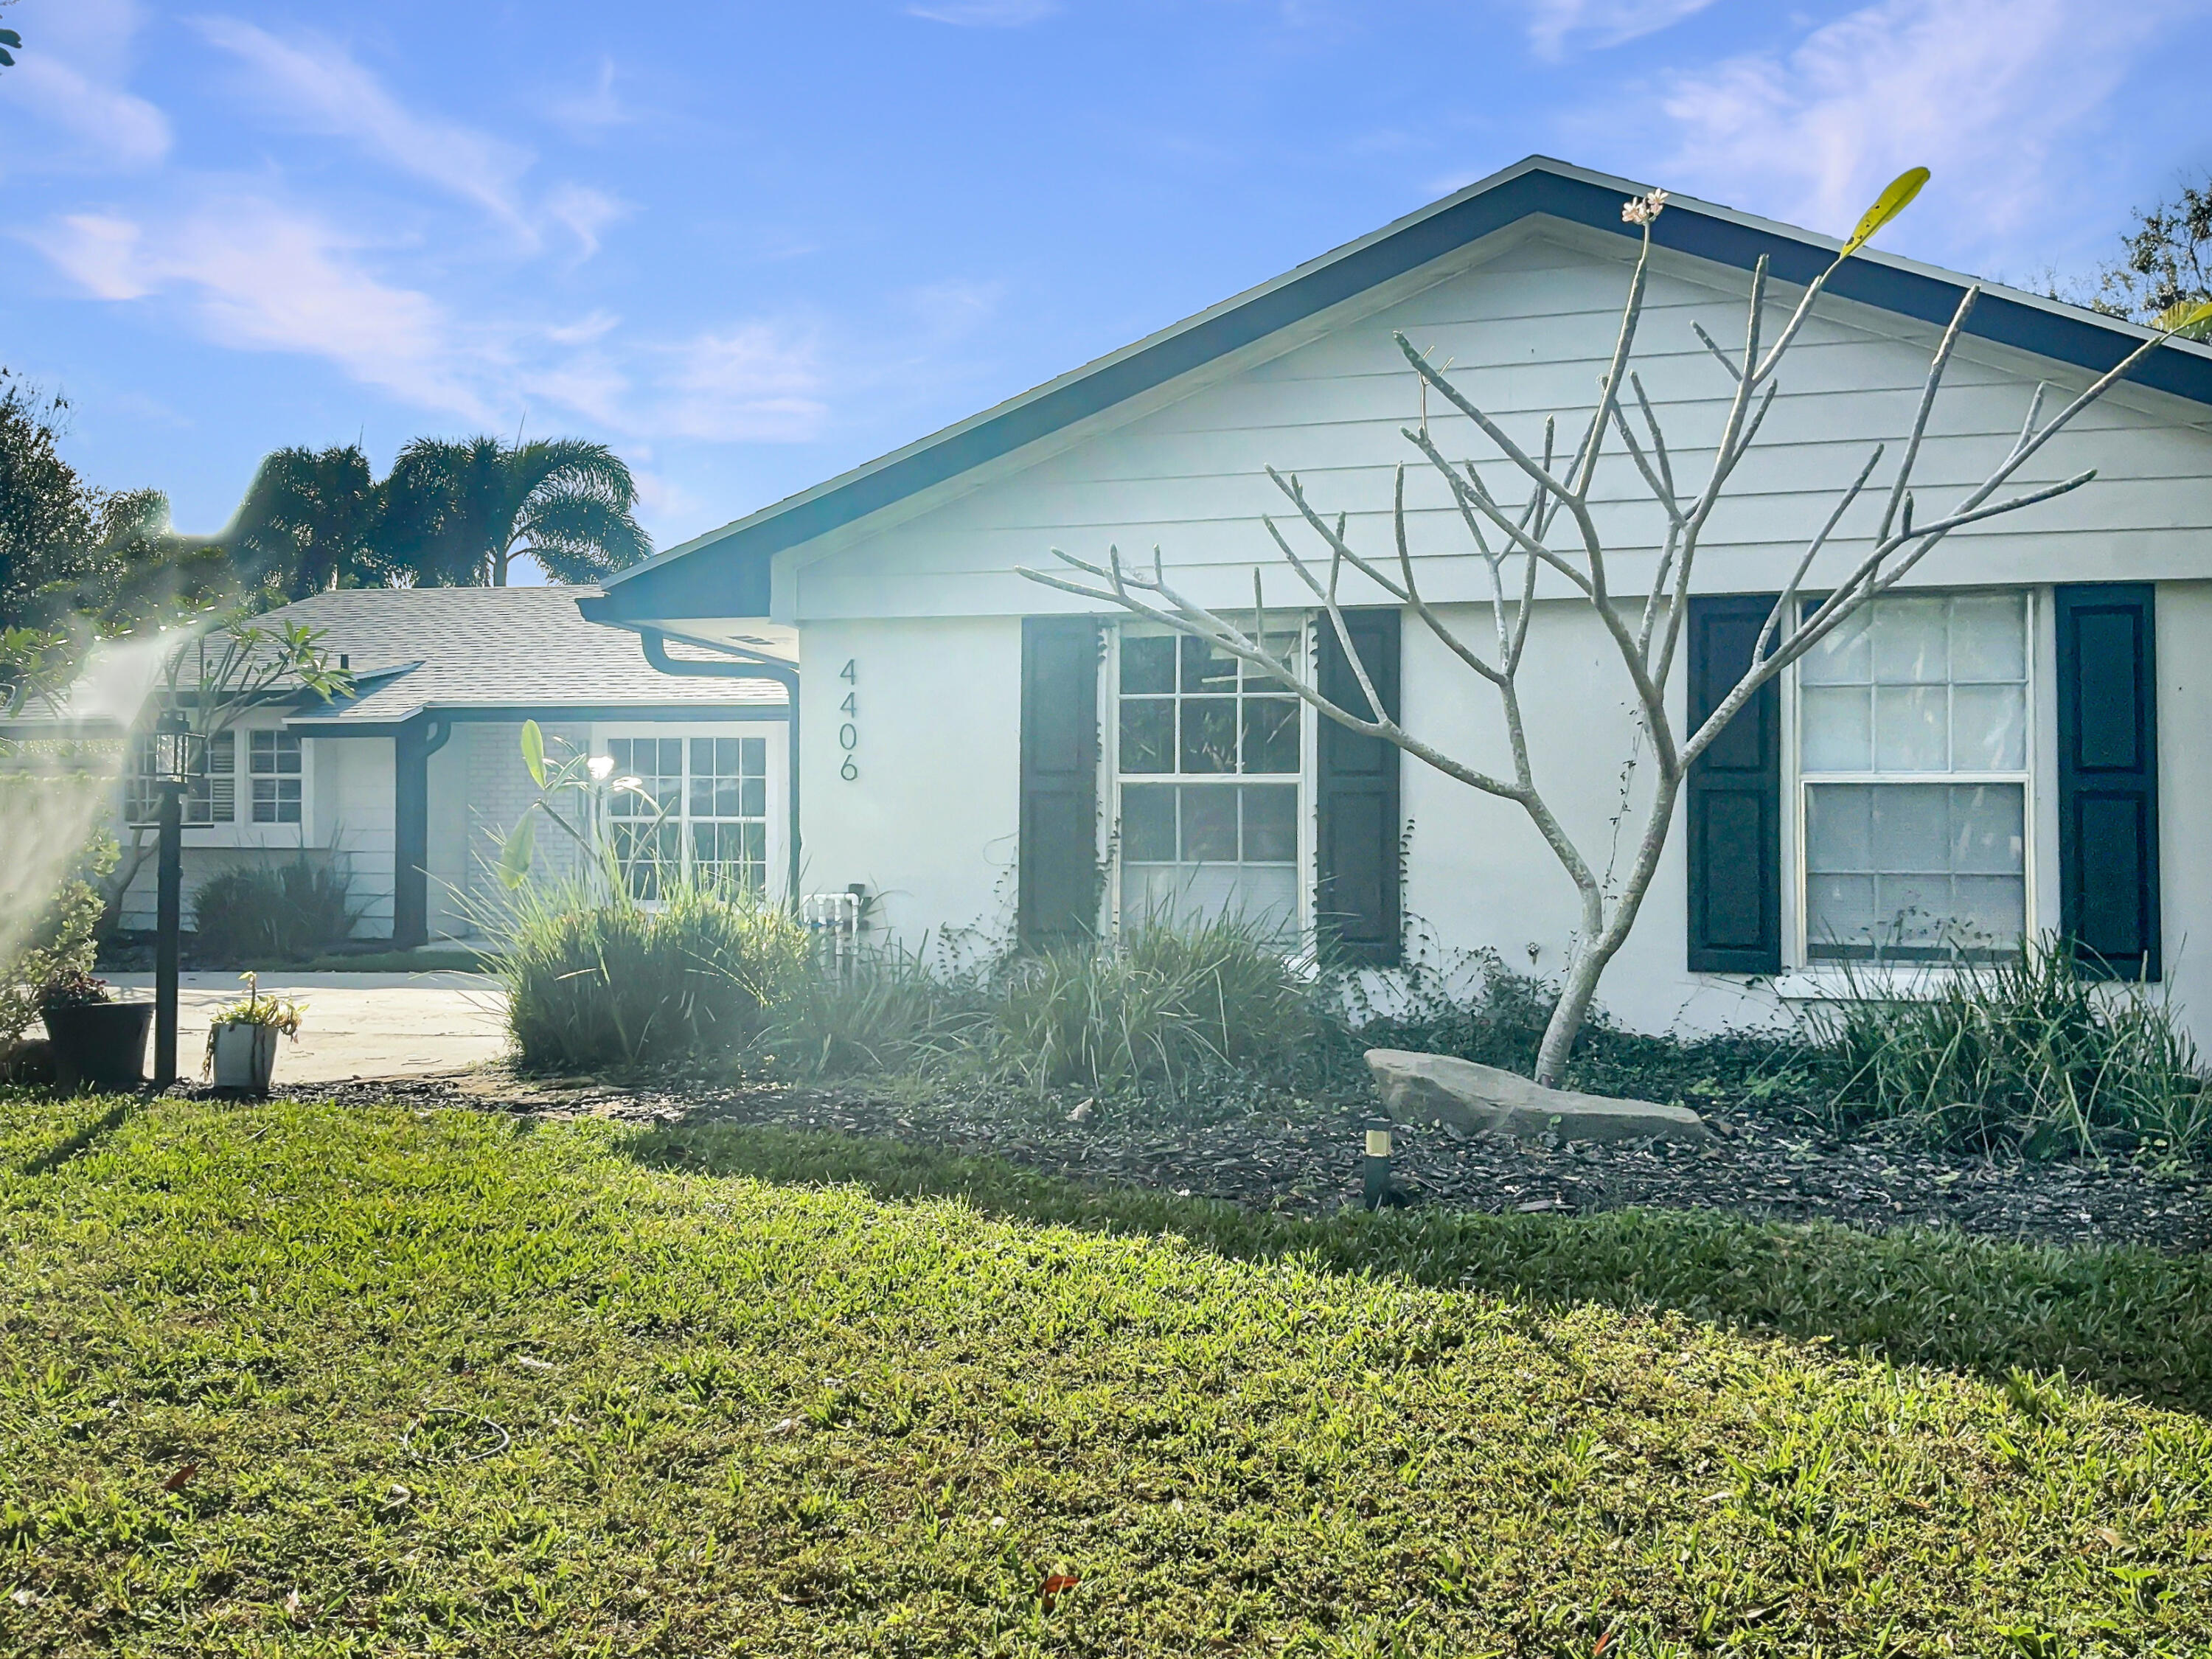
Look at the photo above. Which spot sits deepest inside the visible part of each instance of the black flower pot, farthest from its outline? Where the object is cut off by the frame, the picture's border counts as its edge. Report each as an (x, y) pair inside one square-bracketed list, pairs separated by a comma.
[(100, 1045)]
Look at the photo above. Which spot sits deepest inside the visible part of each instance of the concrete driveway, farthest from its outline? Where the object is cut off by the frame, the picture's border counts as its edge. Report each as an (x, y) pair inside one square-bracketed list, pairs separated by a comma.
[(356, 1025)]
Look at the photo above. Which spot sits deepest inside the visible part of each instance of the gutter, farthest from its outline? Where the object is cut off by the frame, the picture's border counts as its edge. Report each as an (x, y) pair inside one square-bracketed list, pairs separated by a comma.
[(743, 665)]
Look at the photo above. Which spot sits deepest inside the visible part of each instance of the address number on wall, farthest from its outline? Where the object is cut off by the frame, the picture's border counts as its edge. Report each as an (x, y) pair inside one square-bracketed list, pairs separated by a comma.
[(848, 733)]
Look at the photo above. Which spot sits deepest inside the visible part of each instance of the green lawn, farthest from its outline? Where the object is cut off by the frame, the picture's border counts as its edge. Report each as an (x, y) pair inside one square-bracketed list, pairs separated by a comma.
[(290, 1379)]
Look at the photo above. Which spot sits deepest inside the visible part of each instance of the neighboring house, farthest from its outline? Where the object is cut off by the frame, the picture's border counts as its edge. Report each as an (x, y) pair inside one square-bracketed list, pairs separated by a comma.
[(410, 784), (2016, 745)]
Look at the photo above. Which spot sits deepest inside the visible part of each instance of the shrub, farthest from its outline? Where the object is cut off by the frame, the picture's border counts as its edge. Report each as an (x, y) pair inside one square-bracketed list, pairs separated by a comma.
[(272, 912), (1176, 1003), (597, 980), (57, 945), (2024, 1054), (888, 1012)]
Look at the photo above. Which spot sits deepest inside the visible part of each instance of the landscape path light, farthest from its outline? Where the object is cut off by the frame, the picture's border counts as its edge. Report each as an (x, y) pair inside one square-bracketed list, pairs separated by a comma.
[(1375, 1165)]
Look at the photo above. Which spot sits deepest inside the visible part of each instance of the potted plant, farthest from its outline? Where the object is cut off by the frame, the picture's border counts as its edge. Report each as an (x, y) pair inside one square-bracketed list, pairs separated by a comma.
[(242, 1047), (98, 1042)]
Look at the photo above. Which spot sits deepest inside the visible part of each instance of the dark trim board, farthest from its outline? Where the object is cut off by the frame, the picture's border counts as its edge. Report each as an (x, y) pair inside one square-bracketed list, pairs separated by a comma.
[(735, 580), (770, 713)]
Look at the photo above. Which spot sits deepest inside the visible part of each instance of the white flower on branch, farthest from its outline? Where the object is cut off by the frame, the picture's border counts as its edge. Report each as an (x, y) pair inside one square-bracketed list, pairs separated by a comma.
[(1643, 210)]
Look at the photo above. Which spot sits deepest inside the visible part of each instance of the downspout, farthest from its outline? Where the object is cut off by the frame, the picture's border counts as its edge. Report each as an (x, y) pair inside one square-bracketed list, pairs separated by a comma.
[(746, 666)]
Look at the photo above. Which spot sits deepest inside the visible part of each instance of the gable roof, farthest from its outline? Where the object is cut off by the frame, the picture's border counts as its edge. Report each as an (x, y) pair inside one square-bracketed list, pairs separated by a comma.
[(416, 650), (734, 580)]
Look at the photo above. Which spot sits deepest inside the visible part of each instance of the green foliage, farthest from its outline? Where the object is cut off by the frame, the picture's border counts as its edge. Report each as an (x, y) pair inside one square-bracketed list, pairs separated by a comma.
[(286, 912), (889, 1012), (1174, 1004), (596, 980), (72, 554), (294, 1378), (2165, 270), (59, 944), (456, 512), (277, 1013), (2023, 1055), (310, 520)]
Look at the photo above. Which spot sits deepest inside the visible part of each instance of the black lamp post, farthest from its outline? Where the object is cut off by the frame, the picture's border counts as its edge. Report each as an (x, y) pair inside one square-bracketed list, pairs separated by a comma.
[(170, 771)]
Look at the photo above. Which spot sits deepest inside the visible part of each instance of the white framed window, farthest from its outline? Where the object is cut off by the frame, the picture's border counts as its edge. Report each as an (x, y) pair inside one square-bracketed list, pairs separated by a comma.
[(701, 807), (210, 797), (1914, 800), (1209, 781), (274, 763)]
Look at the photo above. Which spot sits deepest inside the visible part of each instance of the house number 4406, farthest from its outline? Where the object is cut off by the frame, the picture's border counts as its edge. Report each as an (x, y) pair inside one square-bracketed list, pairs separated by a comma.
[(848, 734)]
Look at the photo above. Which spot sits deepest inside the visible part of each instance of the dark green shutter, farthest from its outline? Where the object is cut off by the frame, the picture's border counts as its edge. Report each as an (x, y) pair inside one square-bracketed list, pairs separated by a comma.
[(1734, 828), (1357, 907), (2108, 776), (1058, 902)]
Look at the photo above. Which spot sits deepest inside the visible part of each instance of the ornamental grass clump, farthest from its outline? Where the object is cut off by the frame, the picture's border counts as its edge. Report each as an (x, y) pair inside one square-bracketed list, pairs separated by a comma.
[(598, 980), (286, 912), (1176, 1003), (2023, 1055)]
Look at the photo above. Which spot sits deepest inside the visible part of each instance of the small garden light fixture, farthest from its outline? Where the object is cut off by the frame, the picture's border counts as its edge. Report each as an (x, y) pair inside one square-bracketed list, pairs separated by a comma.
[(1375, 1165)]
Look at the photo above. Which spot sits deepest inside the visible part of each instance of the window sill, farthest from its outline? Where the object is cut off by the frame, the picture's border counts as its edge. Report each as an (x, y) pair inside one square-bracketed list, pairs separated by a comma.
[(1904, 982)]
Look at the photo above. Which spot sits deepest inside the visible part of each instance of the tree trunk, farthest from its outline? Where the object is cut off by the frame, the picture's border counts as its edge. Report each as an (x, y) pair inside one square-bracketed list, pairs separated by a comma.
[(1603, 939)]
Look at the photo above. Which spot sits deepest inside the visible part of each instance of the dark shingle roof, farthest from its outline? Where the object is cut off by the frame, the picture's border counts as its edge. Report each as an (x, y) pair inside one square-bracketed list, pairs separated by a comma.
[(413, 649)]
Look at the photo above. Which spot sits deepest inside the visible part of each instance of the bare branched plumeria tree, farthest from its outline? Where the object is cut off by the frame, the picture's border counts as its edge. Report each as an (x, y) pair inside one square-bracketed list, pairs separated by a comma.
[(1555, 530)]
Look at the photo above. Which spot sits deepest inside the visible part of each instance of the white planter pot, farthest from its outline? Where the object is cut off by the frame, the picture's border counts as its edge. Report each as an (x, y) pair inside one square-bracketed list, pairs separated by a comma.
[(245, 1056)]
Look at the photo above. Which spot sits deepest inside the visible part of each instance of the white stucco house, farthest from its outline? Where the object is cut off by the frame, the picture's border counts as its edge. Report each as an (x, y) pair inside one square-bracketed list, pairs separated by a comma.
[(409, 784), (2016, 745)]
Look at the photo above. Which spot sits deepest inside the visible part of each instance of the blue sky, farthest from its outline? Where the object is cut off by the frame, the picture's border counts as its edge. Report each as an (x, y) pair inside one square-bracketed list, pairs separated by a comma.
[(752, 245)]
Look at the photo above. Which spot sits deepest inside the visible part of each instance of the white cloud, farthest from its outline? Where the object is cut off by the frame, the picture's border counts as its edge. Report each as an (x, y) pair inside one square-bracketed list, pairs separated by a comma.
[(319, 86), (70, 80), (986, 14), (1604, 22), (1994, 95), (592, 112), (584, 213), (757, 382), (259, 277)]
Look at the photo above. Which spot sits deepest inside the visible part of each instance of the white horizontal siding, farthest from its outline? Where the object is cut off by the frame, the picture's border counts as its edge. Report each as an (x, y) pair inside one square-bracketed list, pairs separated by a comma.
[(1528, 333)]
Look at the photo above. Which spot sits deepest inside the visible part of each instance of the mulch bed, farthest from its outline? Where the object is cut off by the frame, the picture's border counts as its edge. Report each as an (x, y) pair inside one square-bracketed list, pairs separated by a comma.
[(1756, 1168)]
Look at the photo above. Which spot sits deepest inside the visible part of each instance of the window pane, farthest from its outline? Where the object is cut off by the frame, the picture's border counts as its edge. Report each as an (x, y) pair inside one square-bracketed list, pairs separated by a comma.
[(752, 756), (1271, 823), (1844, 658), (1209, 825), (1209, 734), (1988, 728), (1837, 722), (1270, 734), (1914, 869), (672, 756), (1148, 665), (753, 798), (1910, 641), (702, 796), (1986, 832), (1148, 822), (1206, 669), (1989, 636), (702, 758), (1281, 648), (1147, 734), (1909, 726)]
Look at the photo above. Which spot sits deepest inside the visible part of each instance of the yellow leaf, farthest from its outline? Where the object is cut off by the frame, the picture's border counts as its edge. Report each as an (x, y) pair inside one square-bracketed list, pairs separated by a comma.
[(1887, 206), (2187, 321)]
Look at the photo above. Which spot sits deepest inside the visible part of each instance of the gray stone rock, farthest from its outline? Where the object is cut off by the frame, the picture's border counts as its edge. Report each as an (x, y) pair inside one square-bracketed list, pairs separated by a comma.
[(1439, 1088)]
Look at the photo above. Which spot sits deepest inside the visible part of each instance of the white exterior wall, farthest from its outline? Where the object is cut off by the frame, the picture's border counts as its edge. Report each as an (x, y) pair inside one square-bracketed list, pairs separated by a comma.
[(931, 818), (926, 600), (1529, 327)]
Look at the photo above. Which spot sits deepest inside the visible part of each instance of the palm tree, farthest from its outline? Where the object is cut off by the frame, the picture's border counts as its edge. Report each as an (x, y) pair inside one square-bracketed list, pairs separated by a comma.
[(310, 521), (458, 511)]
